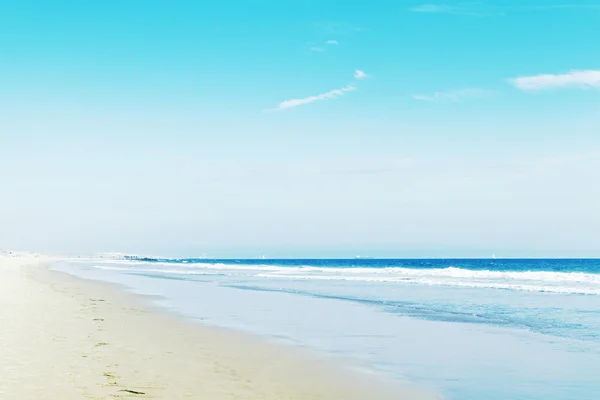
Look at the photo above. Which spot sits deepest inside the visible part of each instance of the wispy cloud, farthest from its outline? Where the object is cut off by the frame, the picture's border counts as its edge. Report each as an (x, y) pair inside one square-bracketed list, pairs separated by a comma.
[(574, 79), (332, 94), (473, 9), (358, 74), (320, 47), (453, 95)]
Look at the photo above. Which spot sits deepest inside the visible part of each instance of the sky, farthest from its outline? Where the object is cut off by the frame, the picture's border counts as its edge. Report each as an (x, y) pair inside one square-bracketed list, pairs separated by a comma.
[(302, 128)]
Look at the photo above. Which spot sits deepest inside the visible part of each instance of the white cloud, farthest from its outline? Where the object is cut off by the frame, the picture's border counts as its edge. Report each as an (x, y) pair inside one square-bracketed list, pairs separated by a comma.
[(453, 95), (316, 49), (358, 74), (573, 79), (332, 94), (332, 42)]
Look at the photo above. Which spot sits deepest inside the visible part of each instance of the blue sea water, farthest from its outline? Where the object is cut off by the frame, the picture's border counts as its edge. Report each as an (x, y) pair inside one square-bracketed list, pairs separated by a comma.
[(471, 329)]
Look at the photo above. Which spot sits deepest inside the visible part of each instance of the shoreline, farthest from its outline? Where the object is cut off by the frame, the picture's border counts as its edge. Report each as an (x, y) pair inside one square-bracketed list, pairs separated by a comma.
[(67, 337)]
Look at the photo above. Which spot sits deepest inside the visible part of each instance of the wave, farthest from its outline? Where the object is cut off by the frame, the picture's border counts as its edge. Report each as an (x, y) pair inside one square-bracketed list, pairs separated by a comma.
[(532, 281), (438, 282)]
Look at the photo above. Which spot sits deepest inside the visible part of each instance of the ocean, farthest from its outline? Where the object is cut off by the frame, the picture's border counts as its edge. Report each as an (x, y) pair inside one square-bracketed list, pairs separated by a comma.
[(473, 329)]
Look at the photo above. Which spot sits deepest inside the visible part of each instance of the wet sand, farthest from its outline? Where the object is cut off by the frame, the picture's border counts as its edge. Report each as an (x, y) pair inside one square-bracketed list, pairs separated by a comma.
[(66, 338)]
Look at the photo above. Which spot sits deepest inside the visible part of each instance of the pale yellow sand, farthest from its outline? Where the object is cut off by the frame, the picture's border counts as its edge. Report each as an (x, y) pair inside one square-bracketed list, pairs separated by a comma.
[(63, 338)]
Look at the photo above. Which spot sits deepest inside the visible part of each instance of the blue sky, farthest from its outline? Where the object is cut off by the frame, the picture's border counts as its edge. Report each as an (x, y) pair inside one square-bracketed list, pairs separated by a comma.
[(301, 128)]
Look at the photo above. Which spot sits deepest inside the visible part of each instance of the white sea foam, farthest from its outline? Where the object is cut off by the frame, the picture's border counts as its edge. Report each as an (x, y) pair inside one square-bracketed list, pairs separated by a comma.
[(157, 270), (589, 290), (532, 281)]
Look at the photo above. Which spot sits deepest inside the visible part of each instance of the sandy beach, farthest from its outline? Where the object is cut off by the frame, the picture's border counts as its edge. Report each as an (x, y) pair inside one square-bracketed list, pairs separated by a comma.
[(65, 338)]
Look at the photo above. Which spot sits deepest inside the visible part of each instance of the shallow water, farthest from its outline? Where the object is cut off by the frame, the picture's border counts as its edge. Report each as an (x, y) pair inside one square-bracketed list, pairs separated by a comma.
[(472, 329)]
